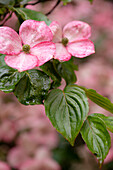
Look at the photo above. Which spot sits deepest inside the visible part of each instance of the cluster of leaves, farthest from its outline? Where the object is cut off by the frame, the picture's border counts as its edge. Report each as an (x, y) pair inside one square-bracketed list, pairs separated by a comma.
[(32, 86), (67, 109)]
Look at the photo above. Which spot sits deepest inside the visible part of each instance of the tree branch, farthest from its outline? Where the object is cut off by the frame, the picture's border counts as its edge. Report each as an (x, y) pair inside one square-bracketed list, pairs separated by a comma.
[(37, 2), (53, 7), (7, 18), (32, 3)]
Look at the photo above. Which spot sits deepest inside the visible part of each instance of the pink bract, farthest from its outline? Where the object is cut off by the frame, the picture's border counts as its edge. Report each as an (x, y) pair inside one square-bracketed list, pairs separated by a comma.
[(4, 166), (36, 35), (76, 34)]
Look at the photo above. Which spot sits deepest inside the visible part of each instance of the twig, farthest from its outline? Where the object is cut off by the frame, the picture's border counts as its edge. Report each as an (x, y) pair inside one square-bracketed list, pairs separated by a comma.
[(31, 3), (53, 7), (7, 18), (37, 2)]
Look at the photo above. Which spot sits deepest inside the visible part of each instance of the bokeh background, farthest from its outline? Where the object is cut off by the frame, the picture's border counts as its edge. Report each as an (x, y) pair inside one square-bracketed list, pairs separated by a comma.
[(27, 139)]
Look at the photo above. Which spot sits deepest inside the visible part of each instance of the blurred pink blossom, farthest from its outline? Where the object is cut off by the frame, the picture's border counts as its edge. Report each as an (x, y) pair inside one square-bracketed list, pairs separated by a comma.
[(27, 143), (7, 131), (103, 17), (34, 137), (42, 153), (16, 157), (96, 75), (4, 166), (45, 164)]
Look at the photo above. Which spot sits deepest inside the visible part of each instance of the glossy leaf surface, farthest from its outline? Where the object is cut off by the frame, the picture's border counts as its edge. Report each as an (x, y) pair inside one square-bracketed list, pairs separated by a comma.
[(50, 70), (99, 99), (33, 87), (96, 137), (66, 70), (67, 110), (108, 120), (9, 77)]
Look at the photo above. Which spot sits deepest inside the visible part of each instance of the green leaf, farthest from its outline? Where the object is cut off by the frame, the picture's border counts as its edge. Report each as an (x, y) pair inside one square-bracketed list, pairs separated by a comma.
[(65, 2), (99, 99), (31, 14), (49, 69), (33, 87), (96, 136), (9, 77), (67, 110), (2, 62), (107, 120), (2, 11), (66, 70)]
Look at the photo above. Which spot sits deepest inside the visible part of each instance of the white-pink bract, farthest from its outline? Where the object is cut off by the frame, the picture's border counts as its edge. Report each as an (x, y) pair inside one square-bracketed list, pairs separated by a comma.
[(4, 166), (72, 41), (32, 47)]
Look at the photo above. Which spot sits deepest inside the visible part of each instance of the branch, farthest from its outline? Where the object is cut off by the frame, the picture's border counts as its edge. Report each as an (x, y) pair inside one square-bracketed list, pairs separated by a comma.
[(7, 18), (39, 1), (31, 3), (53, 7)]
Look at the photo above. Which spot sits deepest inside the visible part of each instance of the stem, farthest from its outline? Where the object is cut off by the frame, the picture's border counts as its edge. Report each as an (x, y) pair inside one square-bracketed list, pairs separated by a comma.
[(39, 1), (7, 18), (31, 3), (4, 15), (53, 7), (100, 166)]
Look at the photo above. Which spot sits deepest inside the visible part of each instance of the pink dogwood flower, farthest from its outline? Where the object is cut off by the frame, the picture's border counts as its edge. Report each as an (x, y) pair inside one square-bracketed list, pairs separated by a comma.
[(32, 47), (72, 41)]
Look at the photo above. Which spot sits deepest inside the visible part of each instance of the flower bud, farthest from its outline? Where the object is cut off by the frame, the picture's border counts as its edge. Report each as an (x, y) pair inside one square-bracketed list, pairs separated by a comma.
[(65, 41), (26, 48)]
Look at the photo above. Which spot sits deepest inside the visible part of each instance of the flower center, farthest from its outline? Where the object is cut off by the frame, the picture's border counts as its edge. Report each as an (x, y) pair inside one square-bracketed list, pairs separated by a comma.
[(26, 48), (65, 41)]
